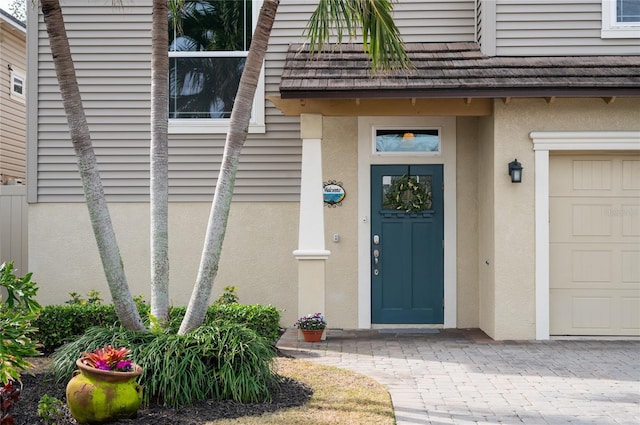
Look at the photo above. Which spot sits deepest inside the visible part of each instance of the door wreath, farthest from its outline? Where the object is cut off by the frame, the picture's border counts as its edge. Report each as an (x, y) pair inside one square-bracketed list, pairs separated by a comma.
[(407, 194)]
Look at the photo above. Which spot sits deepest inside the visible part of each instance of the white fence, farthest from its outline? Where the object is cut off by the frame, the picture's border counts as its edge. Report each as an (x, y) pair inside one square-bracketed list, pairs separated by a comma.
[(13, 226)]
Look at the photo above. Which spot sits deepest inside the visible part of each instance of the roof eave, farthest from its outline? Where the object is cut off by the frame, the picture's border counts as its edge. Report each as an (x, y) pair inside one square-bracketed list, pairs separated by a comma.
[(461, 93)]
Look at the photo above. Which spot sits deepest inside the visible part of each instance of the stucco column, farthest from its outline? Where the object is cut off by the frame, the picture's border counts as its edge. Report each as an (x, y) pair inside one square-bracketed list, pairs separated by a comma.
[(311, 253)]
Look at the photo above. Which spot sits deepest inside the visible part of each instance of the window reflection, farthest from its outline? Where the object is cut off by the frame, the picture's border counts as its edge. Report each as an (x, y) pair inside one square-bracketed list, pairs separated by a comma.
[(407, 141), (203, 87), (204, 83)]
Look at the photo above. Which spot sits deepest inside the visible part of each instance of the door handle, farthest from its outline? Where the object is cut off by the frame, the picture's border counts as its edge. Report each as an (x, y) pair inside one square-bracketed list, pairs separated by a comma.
[(376, 255)]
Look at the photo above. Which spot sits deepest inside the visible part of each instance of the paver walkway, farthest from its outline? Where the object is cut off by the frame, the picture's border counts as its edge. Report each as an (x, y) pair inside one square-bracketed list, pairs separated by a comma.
[(464, 377)]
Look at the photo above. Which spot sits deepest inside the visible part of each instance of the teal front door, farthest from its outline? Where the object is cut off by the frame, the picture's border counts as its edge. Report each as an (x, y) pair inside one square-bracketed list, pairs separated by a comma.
[(407, 244)]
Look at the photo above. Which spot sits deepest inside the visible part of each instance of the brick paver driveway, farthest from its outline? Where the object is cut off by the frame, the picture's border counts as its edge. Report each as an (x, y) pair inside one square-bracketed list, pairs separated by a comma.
[(463, 377)]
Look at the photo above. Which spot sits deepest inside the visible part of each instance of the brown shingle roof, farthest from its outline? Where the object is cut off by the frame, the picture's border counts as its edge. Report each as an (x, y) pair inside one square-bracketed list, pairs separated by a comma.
[(456, 70)]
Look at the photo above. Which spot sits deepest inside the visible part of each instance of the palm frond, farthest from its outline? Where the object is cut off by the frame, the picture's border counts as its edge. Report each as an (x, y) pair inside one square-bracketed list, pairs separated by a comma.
[(373, 18)]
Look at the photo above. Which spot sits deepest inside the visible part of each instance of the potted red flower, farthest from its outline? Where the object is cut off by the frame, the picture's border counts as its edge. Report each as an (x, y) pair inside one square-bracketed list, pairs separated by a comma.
[(104, 388)]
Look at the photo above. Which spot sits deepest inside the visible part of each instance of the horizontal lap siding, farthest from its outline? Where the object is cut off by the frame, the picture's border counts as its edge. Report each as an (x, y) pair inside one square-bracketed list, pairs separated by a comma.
[(13, 112), (555, 28), (111, 48), (111, 51), (435, 21)]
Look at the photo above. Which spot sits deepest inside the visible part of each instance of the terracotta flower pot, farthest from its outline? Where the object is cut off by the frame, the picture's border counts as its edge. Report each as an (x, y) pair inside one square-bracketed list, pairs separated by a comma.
[(95, 396), (312, 335)]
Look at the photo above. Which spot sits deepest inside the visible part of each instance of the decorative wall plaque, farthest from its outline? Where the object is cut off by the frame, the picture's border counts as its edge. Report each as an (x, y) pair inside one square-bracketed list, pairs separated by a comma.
[(333, 193)]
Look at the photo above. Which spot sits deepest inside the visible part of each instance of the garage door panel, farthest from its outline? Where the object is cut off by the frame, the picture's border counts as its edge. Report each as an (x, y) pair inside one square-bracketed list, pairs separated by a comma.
[(615, 266), (631, 175), (595, 312), (630, 313), (583, 176), (630, 216), (594, 212), (630, 260), (593, 220)]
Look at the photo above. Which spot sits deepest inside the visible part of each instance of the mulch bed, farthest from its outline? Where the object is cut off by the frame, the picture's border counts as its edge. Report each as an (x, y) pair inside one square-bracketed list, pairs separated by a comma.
[(25, 412)]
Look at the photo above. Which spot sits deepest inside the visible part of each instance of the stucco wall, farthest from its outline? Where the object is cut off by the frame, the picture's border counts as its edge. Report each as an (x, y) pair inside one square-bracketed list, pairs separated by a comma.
[(340, 163), (513, 230), (257, 253), (486, 241), (467, 222), (514, 224)]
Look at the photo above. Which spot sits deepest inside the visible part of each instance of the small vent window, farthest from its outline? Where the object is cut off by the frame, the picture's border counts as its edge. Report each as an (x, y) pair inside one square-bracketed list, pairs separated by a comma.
[(17, 86)]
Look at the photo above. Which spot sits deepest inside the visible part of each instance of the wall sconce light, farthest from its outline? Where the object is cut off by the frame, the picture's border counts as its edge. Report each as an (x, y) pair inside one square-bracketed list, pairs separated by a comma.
[(515, 171)]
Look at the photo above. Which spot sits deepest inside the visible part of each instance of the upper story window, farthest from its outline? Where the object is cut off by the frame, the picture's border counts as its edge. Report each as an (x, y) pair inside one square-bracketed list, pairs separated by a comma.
[(620, 19), (208, 46), (17, 86)]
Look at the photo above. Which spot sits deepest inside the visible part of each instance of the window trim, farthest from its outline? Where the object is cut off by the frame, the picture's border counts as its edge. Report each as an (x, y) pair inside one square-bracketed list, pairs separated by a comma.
[(221, 126), (14, 94), (613, 29)]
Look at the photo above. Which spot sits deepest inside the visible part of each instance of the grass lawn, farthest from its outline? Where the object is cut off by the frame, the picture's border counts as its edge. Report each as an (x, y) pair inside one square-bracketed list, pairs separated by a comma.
[(339, 397)]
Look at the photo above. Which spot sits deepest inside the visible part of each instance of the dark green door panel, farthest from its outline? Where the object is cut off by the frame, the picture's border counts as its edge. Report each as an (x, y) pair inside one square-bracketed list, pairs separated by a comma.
[(407, 275)]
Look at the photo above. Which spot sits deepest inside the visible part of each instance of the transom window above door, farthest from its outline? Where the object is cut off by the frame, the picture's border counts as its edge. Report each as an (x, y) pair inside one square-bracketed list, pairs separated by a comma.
[(403, 141)]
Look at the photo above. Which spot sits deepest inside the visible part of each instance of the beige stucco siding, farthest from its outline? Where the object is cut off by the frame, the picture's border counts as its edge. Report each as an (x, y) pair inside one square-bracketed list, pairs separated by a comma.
[(513, 230), (486, 242), (256, 255), (340, 163), (513, 286), (467, 222)]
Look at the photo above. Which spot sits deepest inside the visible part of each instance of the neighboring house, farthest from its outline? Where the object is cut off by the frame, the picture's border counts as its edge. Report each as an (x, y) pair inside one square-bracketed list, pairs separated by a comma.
[(13, 122), (554, 85), (13, 128)]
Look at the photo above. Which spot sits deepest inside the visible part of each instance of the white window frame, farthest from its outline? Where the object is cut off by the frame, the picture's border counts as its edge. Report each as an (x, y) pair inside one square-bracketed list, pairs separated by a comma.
[(613, 29), (14, 94), (221, 126)]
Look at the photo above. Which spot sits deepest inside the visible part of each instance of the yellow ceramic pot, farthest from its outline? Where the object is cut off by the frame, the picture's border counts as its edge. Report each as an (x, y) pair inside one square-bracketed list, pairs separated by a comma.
[(95, 396)]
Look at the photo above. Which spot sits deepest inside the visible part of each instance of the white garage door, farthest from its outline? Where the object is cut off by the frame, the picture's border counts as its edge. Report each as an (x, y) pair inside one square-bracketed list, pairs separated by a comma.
[(594, 244)]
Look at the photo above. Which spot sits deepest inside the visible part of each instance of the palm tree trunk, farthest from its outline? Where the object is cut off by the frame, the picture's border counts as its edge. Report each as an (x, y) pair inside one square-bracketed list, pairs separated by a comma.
[(91, 183), (238, 128), (159, 162)]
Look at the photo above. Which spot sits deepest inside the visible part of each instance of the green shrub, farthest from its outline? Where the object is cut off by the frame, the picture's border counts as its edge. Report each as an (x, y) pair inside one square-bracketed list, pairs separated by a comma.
[(17, 314), (50, 409), (58, 324), (221, 361), (264, 319), (92, 294), (229, 296), (21, 291), (16, 343)]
